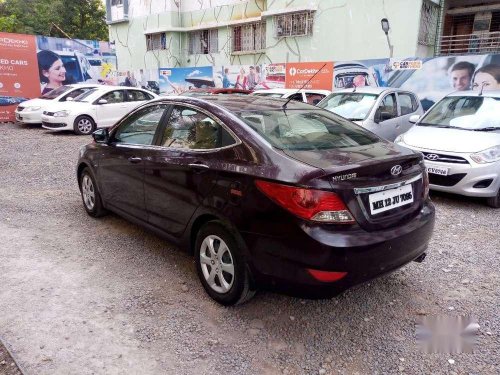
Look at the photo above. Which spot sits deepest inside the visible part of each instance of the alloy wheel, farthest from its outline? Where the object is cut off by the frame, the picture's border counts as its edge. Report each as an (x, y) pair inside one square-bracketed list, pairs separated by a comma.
[(88, 192), (217, 264), (84, 126)]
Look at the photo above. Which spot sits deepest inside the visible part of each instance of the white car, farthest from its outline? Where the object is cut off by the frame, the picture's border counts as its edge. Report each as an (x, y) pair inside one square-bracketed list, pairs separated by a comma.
[(304, 95), (101, 107), (30, 111), (460, 140), (384, 111)]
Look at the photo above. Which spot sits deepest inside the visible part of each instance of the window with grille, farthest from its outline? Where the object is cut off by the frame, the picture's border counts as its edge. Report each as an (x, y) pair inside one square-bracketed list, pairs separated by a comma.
[(203, 42), (116, 2), (250, 37), (156, 41), (294, 24), (429, 16)]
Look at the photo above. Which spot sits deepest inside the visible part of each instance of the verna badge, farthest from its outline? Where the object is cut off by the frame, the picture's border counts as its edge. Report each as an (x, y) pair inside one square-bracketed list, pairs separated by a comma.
[(396, 170), (344, 177)]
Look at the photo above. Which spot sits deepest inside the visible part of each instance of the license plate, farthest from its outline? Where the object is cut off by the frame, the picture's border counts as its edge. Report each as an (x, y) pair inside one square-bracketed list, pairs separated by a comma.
[(389, 199), (437, 170)]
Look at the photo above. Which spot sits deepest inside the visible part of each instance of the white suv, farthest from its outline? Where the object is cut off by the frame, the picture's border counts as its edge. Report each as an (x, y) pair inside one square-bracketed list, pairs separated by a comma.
[(30, 111), (98, 108)]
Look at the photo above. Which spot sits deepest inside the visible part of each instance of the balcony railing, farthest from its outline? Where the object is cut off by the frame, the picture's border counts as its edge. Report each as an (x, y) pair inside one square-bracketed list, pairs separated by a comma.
[(487, 42)]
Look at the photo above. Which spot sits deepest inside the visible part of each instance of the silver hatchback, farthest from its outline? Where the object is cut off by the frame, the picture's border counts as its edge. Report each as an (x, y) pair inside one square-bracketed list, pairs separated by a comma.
[(384, 111)]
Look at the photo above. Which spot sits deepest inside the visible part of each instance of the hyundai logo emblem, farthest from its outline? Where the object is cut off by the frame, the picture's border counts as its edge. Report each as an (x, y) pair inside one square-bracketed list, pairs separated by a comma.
[(432, 157), (396, 170)]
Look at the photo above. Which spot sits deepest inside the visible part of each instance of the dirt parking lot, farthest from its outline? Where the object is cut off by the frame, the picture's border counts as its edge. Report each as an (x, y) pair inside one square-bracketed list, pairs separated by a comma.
[(86, 296)]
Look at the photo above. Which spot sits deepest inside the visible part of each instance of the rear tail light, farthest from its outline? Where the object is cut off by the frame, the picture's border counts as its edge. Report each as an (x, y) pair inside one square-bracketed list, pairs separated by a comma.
[(315, 205)]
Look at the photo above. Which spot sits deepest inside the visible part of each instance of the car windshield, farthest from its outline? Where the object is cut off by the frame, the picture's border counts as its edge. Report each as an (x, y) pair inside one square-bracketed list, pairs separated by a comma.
[(306, 129), (84, 97), (353, 105), (465, 112), (55, 93)]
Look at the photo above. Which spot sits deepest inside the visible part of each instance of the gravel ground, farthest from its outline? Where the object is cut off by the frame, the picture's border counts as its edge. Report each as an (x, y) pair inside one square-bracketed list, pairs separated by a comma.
[(86, 296)]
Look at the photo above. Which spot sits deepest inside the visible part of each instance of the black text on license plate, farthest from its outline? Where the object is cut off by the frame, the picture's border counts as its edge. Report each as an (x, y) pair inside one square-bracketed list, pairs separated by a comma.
[(389, 199)]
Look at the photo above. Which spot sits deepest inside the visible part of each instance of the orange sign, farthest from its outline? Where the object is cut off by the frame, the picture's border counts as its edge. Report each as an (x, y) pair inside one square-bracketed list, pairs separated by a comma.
[(297, 74), (19, 79)]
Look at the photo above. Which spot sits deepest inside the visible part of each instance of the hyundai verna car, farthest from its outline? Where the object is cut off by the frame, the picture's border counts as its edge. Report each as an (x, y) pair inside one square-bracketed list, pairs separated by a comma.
[(460, 140), (262, 192), (30, 112), (382, 110)]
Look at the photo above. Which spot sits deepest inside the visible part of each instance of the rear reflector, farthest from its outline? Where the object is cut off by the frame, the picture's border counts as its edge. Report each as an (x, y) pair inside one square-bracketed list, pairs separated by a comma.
[(316, 205), (326, 276)]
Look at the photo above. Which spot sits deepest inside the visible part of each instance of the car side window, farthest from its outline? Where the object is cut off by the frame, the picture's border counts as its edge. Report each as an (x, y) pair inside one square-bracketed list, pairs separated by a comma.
[(188, 128), (314, 98), (388, 108), (406, 103), (140, 128), (114, 97), (297, 97), (136, 96)]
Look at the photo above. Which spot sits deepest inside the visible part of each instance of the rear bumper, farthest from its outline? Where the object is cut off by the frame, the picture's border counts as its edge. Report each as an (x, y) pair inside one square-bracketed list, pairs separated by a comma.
[(282, 263)]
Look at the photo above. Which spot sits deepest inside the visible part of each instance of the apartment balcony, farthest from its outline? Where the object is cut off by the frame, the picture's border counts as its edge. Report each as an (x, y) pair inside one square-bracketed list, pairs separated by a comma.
[(477, 43)]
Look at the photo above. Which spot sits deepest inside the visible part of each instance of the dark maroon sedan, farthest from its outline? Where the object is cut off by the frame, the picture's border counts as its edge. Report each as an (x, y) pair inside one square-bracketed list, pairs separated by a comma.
[(262, 192)]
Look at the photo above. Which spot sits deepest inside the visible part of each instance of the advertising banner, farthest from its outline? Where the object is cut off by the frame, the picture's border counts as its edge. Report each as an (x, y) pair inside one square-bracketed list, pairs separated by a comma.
[(174, 81), (18, 72), (297, 74)]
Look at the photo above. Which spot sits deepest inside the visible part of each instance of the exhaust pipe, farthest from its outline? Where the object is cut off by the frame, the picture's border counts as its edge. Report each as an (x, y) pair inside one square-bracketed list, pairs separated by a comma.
[(420, 258)]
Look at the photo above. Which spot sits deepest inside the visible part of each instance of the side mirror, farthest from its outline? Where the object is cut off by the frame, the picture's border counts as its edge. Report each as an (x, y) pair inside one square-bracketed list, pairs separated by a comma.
[(102, 101), (101, 135), (414, 118), (376, 117)]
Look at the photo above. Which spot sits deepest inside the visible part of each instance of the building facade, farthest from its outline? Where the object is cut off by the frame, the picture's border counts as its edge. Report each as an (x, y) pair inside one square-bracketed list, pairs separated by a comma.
[(149, 34)]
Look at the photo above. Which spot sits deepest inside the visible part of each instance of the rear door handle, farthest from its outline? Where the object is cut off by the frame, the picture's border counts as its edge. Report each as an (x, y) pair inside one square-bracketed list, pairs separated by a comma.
[(134, 159), (199, 166)]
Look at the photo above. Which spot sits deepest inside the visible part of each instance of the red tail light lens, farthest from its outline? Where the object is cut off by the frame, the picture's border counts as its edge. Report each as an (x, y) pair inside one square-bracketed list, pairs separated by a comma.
[(326, 276), (309, 204)]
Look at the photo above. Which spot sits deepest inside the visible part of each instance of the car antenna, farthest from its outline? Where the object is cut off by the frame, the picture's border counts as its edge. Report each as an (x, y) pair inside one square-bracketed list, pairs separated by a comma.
[(304, 85)]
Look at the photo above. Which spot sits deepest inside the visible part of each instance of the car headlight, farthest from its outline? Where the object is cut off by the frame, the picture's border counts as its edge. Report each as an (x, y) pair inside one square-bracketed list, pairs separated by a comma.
[(490, 155), (399, 139), (61, 114), (32, 109)]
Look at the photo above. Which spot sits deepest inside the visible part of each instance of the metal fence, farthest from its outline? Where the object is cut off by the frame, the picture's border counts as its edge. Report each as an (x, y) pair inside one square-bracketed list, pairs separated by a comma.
[(480, 43)]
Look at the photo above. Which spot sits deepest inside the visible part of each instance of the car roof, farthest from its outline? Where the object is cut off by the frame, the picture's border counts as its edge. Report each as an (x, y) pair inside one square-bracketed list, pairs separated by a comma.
[(83, 85), (489, 94), (290, 91), (367, 90), (239, 103)]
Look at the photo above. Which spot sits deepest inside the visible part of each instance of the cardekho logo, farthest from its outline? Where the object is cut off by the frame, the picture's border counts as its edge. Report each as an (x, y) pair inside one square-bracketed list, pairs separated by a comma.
[(293, 71)]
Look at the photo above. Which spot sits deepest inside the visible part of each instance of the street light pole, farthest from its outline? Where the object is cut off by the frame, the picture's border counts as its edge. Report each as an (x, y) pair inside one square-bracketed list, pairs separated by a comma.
[(385, 27)]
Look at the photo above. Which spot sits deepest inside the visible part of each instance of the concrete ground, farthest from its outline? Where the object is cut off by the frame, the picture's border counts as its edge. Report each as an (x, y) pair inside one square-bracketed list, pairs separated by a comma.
[(86, 296)]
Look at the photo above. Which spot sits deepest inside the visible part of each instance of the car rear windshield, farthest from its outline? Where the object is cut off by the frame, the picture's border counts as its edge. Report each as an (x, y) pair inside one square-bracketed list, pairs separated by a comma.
[(464, 112), (306, 129), (353, 105), (56, 92)]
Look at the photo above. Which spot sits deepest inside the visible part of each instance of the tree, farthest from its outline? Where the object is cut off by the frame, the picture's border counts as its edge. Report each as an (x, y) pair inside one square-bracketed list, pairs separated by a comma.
[(79, 19)]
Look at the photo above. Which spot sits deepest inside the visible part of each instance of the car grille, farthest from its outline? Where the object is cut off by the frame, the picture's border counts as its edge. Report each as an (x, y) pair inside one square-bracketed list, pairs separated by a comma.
[(444, 158), (53, 125), (451, 180), (19, 108)]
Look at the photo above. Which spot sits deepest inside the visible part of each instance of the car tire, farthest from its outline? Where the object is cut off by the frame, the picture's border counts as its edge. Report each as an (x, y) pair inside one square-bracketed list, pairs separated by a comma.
[(494, 201), (225, 276), (84, 125), (91, 198)]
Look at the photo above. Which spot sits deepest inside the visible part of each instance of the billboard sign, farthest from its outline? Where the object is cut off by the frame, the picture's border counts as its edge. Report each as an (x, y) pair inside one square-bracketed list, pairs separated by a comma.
[(297, 74)]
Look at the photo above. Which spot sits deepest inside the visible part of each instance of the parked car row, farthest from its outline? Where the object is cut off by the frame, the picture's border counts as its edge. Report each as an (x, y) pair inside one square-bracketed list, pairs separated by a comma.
[(81, 107), (272, 191)]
